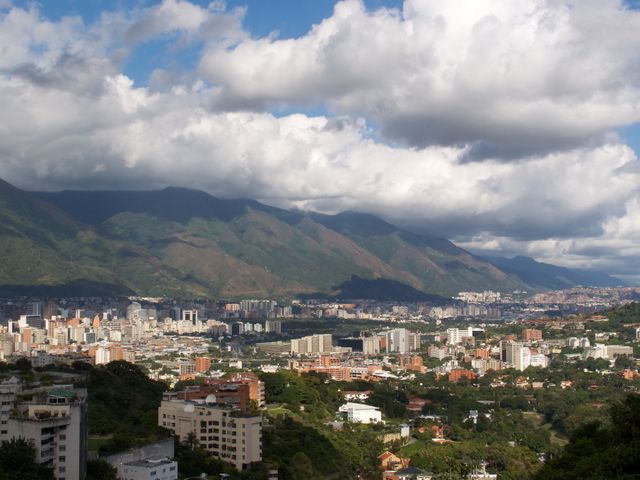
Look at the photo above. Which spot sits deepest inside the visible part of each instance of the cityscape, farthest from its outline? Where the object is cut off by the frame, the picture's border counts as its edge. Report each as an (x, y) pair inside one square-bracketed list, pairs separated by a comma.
[(320, 240), (220, 369)]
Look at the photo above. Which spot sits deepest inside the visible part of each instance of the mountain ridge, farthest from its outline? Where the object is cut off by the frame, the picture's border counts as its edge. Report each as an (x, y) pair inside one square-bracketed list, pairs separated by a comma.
[(183, 242), (538, 274)]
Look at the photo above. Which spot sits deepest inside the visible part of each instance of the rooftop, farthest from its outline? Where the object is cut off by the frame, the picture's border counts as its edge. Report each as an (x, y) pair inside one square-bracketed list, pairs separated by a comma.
[(149, 462)]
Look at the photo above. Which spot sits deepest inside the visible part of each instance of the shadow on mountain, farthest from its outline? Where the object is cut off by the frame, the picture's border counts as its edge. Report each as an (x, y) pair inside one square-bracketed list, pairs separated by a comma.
[(74, 288), (378, 289)]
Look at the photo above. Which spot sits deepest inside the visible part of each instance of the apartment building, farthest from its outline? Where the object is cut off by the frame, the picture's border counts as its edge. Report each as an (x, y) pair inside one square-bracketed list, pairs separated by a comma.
[(228, 434), (312, 344), (54, 420)]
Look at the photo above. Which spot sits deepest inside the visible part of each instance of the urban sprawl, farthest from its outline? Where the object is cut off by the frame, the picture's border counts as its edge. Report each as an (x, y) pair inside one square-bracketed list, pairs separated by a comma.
[(217, 358)]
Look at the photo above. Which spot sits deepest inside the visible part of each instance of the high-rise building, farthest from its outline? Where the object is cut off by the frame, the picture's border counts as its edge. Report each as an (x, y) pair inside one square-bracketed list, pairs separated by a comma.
[(312, 344), (273, 326), (398, 341), (456, 335), (190, 316), (55, 421), (517, 355), (203, 364), (225, 433)]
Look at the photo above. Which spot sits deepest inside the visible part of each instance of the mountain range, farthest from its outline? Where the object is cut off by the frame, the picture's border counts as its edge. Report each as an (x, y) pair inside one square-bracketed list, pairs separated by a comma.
[(187, 243)]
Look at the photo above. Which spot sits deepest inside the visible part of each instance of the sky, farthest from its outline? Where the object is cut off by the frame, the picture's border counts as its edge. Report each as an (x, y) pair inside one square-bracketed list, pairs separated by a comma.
[(509, 126)]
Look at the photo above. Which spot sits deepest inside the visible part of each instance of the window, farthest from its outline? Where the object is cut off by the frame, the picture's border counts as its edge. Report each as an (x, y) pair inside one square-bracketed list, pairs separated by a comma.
[(62, 436), (62, 459)]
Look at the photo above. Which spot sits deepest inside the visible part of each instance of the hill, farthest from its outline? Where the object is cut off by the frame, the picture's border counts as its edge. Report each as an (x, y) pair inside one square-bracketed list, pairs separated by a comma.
[(546, 276), (245, 248), (180, 242)]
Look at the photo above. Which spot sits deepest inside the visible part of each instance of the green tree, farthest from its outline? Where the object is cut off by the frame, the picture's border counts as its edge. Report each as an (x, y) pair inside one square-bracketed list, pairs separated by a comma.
[(100, 470), (18, 462)]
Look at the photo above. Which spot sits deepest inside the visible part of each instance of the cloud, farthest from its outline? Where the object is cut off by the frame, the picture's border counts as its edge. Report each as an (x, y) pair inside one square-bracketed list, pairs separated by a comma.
[(195, 22), (510, 78), (517, 80)]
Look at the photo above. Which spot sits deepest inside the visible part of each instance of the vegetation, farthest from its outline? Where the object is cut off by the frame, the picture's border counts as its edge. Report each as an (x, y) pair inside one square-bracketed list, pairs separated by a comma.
[(601, 449), (124, 404), (178, 242), (18, 462), (100, 470)]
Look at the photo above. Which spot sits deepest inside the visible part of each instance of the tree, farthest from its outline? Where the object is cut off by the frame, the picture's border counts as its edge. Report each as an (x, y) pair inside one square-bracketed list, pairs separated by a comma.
[(100, 470), (18, 462), (301, 467), (597, 451), (23, 364)]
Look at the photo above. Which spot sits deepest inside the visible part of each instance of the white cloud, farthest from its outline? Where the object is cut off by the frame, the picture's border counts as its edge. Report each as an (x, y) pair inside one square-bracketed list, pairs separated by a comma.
[(512, 77), (528, 74)]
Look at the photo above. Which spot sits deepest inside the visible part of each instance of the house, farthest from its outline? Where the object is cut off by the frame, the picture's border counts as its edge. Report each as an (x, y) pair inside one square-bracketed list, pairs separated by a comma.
[(416, 404), (361, 413), (390, 461)]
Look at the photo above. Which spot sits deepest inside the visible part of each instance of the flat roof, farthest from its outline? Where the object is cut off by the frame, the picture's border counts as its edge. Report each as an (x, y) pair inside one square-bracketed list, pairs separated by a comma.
[(149, 462)]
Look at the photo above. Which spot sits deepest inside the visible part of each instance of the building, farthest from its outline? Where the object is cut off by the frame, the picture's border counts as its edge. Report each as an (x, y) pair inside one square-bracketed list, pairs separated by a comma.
[(274, 348), (531, 335), (617, 350), (55, 421), (407, 473), (203, 364), (256, 386), (225, 433), (150, 469), (361, 413), (456, 335), (312, 344), (371, 345), (459, 373), (398, 341), (273, 326), (190, 316), (157, 450), (413, 363)]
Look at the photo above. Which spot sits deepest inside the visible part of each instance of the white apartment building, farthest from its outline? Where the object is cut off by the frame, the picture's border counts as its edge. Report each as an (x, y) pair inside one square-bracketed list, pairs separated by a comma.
[(455, 335), (398, 340), (371, 345), (225, 433), (56, 423), (312, 344), (150, 469)]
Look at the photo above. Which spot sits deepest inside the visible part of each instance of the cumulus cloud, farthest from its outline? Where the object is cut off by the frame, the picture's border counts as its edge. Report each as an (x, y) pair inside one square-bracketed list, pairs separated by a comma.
[(509, 78), (537, 82)]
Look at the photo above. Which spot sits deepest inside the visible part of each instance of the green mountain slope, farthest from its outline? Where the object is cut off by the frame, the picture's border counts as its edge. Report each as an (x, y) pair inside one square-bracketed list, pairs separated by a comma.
[(40, 245), (244, 248)]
